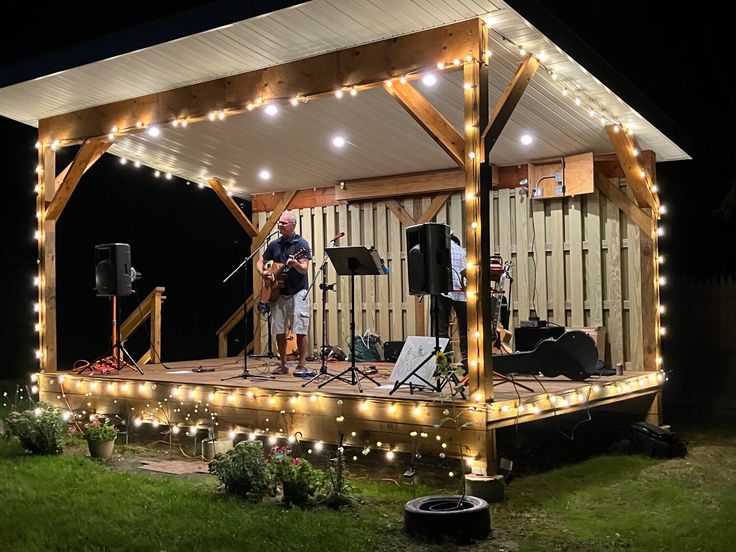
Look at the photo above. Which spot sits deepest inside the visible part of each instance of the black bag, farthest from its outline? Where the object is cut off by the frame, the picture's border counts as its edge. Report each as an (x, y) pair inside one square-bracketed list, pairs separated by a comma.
[(656, 442), (367, 348)]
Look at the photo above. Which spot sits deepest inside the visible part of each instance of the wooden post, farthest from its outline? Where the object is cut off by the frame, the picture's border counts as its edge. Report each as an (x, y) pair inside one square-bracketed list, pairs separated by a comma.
[(478, 235), (156, 325), (46, 353)]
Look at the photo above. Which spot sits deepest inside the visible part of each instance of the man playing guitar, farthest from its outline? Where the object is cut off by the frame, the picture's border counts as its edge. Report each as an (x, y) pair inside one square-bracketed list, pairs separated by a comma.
[(291, 308)]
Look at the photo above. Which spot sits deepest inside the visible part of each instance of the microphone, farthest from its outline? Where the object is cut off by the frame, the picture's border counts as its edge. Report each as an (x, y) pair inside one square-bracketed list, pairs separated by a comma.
[(340, 235)]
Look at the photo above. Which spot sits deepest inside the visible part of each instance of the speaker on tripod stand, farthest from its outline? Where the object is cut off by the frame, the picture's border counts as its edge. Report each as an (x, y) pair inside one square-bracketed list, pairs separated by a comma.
[(114, 277)]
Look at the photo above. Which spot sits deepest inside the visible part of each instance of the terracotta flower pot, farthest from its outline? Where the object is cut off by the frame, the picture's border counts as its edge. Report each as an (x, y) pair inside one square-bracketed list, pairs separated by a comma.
[(99, 448)]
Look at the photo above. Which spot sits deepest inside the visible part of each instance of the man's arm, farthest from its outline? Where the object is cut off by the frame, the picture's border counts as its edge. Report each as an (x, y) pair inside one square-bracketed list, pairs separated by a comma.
[(301, 265)]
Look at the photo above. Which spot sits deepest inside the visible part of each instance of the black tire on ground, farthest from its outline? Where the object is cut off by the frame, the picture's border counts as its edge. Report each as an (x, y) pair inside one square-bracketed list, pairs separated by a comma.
[(437, 517)]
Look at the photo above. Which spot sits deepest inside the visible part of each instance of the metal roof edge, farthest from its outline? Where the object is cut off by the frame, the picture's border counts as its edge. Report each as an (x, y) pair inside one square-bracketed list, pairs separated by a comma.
[(144, 35), (564, 37)]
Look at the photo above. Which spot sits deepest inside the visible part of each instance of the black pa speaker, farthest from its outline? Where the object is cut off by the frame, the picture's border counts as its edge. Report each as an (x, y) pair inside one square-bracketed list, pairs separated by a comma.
[(392, 350), (429, 263), (113, 270)]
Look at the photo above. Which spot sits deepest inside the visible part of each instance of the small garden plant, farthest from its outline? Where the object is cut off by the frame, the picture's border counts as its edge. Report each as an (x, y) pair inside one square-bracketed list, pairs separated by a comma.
[(40, 430), (339, 491), (243, 470)]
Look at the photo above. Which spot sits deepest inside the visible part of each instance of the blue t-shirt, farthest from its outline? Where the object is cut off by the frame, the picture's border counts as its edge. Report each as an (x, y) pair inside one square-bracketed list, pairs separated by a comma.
[(279, 252)]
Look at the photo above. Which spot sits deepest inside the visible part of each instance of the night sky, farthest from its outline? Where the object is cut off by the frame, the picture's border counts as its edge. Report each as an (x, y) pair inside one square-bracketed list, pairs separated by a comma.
[(182, 237)]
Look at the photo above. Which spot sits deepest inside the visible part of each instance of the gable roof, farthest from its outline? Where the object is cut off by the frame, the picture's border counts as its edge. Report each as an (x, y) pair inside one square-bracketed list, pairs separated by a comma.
[(295, 145)]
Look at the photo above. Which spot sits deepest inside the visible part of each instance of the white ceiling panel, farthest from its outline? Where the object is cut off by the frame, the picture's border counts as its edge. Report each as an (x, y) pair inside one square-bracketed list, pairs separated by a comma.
[(383, 138)]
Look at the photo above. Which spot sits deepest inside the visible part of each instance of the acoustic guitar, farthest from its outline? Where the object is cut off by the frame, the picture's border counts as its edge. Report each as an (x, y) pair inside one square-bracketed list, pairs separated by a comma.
[(271, 288), (573, 355)]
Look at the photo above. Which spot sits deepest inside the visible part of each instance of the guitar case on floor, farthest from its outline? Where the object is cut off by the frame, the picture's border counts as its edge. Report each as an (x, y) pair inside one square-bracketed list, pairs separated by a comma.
[(573, 355)]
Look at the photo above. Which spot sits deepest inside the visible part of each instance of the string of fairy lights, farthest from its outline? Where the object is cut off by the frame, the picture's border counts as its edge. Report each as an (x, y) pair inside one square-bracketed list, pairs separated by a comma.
[(188, 409), (567, 87)]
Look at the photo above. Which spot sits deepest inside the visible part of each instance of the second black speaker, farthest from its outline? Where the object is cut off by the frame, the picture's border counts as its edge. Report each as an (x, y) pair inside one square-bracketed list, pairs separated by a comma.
[(429, 263), (112, 269)]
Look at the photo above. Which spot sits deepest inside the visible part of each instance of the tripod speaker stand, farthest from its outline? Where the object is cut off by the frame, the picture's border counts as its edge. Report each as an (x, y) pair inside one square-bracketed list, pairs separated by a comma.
[(119, 352), (353, 261)]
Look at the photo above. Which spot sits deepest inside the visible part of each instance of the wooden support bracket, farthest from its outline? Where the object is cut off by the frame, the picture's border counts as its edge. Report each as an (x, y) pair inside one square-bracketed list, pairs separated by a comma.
[(229, 202), (430, 119)]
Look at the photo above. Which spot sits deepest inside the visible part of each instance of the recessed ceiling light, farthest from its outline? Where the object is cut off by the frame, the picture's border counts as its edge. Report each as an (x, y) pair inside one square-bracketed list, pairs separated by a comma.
[(429, 79), (154, 131), (526, 139), (338, 141), (271, 110), (265, 174)]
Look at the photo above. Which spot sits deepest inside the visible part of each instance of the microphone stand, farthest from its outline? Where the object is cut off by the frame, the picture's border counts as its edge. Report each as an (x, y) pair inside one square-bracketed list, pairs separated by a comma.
[(325, 287), (245, 374)]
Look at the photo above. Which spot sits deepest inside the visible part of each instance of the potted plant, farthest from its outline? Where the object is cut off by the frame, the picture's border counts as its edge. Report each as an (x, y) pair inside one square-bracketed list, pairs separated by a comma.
[(100, 436), (299, 479)]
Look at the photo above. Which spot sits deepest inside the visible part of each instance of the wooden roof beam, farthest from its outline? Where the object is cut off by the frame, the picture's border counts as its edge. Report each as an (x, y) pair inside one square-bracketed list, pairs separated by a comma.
[(401, 185), (507, 102), (88, 153), (639, 180), (430, 119), (362, 66), (319, 197), (229, 202)]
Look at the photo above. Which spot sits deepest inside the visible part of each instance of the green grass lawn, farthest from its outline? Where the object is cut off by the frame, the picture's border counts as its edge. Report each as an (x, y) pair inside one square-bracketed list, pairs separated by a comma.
[(70, 502)]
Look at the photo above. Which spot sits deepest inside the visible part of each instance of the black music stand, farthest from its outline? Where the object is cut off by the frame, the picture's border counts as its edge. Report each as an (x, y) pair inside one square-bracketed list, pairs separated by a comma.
[(353, 260)]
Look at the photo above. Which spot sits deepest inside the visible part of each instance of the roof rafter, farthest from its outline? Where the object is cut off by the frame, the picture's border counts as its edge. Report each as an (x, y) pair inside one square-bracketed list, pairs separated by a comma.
[(430, 119), (508, 100)]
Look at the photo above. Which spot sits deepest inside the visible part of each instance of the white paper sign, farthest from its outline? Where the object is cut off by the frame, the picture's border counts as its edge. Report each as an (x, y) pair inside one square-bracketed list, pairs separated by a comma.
[(415, 351)]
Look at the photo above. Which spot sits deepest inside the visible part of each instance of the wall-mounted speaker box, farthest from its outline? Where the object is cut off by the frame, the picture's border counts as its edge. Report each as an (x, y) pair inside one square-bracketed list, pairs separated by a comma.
[(526, 338)]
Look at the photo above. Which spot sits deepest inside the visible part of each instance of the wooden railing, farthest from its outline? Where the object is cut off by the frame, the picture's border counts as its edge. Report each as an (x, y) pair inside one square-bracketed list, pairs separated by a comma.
[(228, 326), (149, 307)]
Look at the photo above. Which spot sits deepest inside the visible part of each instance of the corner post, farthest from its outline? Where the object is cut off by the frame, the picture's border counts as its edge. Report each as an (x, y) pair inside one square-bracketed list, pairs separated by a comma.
[(478, 233), (46, 324)]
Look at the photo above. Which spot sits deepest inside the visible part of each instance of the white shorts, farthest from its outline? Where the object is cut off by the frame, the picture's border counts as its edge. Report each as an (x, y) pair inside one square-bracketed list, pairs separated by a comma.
[(290, 312)]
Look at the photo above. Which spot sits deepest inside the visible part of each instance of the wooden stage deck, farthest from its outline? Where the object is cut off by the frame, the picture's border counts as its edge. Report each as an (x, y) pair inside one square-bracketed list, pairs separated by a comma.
[(174, 394)]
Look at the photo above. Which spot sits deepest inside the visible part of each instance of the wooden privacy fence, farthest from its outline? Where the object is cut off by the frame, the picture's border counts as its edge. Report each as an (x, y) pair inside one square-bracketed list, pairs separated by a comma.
[(576, 262)]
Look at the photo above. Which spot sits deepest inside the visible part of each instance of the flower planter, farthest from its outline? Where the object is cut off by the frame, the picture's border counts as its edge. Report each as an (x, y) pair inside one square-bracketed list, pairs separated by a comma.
[(99, 448)]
